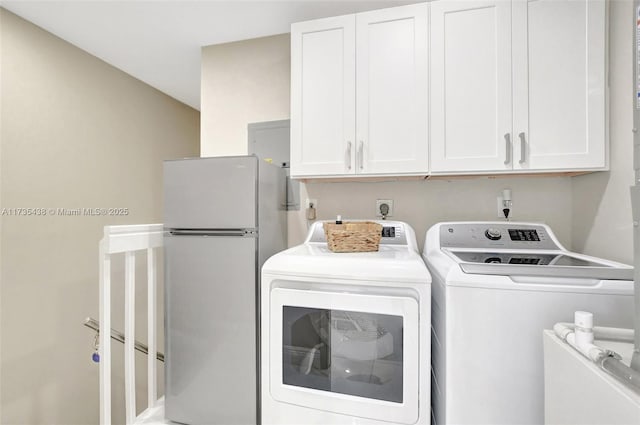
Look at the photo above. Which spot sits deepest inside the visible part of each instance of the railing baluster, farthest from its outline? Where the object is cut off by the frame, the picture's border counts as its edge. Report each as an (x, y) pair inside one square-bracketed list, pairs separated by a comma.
[(105, 342), (152, 387), (129, 334)]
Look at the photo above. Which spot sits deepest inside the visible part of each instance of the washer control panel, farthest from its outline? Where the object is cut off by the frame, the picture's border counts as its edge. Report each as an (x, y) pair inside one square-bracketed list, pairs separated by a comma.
[(496, 235)]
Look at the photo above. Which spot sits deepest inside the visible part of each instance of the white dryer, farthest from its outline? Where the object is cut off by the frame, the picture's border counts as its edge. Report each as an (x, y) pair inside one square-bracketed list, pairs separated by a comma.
[(496, 287), (346, 336)]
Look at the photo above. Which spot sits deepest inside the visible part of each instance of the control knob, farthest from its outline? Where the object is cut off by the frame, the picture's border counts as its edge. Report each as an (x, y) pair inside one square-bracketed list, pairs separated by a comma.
[(493, 234)]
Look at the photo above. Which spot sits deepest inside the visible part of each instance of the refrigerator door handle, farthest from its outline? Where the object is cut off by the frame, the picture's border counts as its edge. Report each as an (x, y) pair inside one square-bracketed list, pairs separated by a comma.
[(214, 232)]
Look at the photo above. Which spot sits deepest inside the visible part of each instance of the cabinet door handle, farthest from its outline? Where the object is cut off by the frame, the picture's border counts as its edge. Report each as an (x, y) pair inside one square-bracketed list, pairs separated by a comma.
[(348, 155), (361, 154), (507, 139), (523, 146)]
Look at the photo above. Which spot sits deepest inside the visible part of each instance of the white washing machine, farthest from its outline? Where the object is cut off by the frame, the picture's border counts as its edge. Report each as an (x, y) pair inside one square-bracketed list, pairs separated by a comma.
[(346, 336), (496, 287)]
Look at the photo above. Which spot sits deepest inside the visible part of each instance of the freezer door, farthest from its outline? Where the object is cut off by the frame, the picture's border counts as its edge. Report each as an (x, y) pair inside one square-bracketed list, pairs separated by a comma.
[(210, 325), (211, 193)]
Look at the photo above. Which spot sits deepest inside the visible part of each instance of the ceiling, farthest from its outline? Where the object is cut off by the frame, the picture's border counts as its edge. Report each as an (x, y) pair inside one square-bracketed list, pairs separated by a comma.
[(159, 42)]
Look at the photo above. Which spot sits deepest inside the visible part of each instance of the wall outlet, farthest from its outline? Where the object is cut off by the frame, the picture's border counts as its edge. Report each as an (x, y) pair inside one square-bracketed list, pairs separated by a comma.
[(311, 208), (311, 202), (386, 205), (500, 207)]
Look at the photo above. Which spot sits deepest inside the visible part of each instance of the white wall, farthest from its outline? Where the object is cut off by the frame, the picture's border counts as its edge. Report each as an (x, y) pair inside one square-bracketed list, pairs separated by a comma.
[(242, 82), (602, 222), (75, 132), (590, 213)]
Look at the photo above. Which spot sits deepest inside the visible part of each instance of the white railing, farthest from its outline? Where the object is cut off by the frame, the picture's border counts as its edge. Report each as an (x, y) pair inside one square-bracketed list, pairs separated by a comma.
[(128, 240)]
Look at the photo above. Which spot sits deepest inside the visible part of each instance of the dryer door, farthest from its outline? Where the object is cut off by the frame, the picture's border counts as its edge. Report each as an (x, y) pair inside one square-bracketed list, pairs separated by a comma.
[(349, 353)]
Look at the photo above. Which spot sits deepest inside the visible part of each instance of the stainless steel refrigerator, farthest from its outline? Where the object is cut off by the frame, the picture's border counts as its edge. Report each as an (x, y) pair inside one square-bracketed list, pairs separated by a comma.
[(223, 218)]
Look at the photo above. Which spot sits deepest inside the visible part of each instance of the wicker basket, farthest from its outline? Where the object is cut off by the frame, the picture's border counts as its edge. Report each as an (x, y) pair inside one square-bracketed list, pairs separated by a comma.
[(355, 236)]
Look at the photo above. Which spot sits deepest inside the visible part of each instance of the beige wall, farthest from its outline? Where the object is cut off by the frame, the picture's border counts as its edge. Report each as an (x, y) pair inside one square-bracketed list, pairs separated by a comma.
[(602, 222), (75, 132), (242, 82), (228, 105), (424, 203)]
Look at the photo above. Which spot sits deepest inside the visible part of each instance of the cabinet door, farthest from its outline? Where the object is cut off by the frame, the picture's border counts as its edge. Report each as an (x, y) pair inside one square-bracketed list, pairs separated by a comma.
[(323, 97), (559, 84), (392, 79), (470, 86)]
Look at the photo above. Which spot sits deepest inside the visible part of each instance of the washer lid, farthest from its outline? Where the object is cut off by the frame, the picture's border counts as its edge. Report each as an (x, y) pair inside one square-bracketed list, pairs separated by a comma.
[(540, 263), (390, 264)]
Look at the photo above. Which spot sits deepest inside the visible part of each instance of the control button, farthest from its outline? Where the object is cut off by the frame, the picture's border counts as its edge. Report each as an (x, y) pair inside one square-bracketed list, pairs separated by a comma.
[(493, 234)]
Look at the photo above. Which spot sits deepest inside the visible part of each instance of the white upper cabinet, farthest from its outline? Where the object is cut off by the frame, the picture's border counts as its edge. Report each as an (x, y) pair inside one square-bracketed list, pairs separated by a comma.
[(470, 85), (559, 84), (359, 94), (391, 90), (323, 69), (518, 86)]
